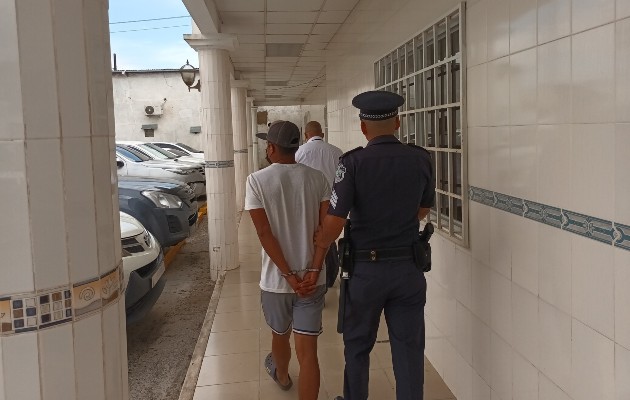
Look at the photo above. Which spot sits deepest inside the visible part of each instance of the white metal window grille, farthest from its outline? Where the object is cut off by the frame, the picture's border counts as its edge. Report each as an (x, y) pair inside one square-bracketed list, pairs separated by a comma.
[(428, 70)]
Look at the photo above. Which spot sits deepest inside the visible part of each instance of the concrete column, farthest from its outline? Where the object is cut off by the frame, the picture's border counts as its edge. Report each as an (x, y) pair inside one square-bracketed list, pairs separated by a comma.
[(239, 125), (255, 152), (216, 126), (62, 312), (250, 149)]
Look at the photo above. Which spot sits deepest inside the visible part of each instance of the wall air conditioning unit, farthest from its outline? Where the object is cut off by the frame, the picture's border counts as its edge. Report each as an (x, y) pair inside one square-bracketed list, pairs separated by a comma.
[(153, 110)]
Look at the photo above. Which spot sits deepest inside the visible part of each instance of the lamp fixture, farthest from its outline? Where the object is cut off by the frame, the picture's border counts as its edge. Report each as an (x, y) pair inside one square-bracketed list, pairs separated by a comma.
[(189, 75)]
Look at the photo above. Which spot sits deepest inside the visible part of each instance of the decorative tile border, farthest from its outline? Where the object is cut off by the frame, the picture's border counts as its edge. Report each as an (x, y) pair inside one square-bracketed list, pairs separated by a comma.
[(28, 312), (604, 231), (241, 151), (220, 164)]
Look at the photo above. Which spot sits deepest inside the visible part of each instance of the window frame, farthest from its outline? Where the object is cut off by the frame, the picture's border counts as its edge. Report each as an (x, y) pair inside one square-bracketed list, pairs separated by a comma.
[(436, 111)]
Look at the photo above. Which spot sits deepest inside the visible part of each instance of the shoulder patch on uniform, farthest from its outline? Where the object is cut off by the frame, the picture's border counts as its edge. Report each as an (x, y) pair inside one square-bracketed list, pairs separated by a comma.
[(351, 151), (340, 173), (418, 147)]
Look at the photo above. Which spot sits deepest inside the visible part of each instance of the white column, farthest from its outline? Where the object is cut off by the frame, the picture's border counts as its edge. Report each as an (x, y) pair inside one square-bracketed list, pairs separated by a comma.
[(255, 152), (216, 125), (250, 149), (62, 312), (239, 126)]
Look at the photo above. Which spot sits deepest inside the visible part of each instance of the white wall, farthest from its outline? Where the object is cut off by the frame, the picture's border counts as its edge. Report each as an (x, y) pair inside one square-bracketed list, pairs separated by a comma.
[(134, 91), (529, 311)]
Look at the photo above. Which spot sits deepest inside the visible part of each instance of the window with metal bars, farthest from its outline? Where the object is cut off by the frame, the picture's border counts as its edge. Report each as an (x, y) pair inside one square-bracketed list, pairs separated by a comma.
[(429, 72)]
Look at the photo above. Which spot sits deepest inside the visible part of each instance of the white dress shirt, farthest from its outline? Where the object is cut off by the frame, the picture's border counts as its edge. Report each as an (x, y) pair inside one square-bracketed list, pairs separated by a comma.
[(321, 156)]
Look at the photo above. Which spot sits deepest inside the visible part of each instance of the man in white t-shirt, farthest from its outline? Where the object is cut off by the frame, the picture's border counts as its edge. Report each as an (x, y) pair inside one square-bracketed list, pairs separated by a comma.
[(318, 154), (287, 201), (323, 157)]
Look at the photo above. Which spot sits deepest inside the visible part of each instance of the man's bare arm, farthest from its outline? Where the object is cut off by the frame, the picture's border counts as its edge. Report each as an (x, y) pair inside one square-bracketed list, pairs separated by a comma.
[(268, 240), (423, 213), (309, 284), (330, 229)]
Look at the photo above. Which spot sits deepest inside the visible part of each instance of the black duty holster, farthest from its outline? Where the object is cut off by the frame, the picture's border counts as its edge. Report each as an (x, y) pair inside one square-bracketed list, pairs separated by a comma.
[(346, 265), (422, 249)]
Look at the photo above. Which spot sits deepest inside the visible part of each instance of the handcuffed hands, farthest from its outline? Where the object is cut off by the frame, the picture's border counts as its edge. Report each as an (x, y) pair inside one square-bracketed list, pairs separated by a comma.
[(308, 284)]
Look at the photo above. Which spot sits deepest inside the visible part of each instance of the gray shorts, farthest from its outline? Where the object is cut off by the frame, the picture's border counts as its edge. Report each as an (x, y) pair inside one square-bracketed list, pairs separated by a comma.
[(283, 310)]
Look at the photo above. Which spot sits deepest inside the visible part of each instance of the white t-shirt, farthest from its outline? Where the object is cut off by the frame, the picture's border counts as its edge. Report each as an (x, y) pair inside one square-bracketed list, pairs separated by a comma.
[(320, 155), (291, 195)]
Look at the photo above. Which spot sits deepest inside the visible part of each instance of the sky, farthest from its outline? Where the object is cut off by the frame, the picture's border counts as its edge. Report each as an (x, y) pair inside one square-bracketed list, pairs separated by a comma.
[(154, 48)]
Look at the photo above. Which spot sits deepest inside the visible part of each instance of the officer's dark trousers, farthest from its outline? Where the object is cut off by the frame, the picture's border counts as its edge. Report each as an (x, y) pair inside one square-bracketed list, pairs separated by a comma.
[(398, 289)]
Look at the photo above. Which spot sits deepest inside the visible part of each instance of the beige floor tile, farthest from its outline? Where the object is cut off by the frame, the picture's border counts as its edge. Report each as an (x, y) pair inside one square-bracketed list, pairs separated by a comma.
[(230, 391), (380, 387), (233, 342), (240, 289), (331, 358), (332, 383), (228, 368), (240, 340), (434, 386), (382, 352), (241, 276), (236, 321), (240, 303), (250, 266)]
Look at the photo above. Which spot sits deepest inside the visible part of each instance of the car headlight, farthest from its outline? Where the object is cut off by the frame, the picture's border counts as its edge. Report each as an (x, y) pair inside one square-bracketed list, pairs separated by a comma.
[(163, 200), (181, 171)]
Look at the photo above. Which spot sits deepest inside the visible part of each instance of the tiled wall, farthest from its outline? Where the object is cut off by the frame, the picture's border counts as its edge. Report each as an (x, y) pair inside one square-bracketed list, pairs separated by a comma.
[(536, 308), (62, 324)]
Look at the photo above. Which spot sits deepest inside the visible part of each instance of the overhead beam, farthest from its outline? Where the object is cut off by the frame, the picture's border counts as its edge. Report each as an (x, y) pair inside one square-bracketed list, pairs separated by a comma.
[(205, 15)]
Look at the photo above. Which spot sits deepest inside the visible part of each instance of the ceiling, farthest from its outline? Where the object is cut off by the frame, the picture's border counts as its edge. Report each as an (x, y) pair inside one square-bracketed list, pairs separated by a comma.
[(281, 44)]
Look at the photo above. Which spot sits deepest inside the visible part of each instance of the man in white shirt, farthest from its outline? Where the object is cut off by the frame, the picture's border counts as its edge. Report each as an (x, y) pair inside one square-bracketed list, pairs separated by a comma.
[(318, 154), (287, 201), (323, 157)]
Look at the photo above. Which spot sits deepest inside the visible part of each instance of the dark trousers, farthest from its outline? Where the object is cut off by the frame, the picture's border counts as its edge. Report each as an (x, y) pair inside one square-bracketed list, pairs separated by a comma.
[(399, 289)]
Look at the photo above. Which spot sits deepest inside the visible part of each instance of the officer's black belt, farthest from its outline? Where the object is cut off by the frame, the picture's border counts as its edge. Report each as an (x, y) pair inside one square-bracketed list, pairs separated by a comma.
[(395, 253)]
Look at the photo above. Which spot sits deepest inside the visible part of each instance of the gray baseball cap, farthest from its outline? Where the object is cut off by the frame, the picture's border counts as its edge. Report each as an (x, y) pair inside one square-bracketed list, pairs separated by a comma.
[(282, 133)]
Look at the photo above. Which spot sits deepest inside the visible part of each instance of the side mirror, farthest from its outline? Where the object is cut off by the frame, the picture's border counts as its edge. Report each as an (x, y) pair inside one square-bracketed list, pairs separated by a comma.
[(120, 164)]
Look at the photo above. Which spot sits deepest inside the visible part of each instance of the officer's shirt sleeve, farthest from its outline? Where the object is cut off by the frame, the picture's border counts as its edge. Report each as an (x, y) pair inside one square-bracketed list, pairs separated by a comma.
[(342, 196), (427, 199)]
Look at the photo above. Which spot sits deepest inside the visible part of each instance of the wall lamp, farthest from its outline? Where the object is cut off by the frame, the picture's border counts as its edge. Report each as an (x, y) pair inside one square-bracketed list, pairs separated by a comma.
[(189, 74)]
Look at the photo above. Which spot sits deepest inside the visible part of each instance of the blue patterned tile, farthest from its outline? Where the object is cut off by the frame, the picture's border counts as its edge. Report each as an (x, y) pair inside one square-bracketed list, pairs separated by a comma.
[(516, 205), (587, 226), (622, 236), (488, 198), (502, 201), (545, 214), (482, 196), (475, 194)]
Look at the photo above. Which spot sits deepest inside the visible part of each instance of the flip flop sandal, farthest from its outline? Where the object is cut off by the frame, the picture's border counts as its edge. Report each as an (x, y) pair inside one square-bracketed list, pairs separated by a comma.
[(270, 367)]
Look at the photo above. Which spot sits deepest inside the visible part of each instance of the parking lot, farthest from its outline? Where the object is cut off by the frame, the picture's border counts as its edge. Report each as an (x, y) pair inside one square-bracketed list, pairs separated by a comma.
[(160, 345)]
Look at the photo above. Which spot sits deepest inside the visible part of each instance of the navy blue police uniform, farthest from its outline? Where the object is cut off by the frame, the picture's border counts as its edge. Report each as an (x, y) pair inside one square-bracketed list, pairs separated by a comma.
[(383, 186)]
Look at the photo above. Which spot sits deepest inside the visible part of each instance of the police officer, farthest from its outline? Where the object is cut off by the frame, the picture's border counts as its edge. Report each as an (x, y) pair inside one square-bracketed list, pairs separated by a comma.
[(387, 187)]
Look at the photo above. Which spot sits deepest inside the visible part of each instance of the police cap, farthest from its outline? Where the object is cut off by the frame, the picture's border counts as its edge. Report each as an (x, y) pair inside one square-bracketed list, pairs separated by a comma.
[(377, 105)]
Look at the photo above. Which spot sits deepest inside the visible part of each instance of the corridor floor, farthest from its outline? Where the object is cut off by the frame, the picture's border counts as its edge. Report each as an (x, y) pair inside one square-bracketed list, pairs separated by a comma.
[(233, 369)]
